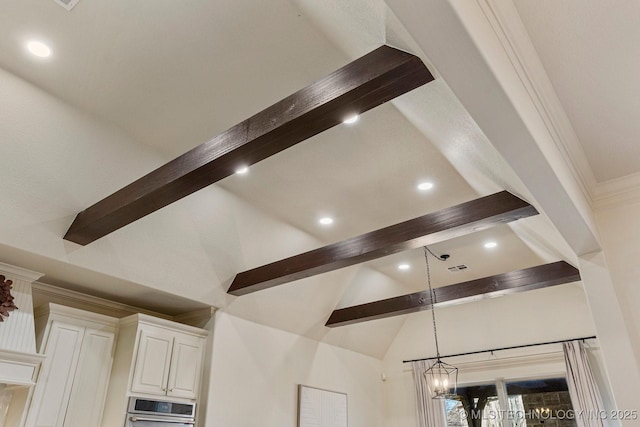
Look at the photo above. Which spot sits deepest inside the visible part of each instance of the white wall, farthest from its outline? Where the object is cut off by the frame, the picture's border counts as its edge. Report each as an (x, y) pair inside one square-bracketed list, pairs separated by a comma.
[(615, 298), (620, 235), (255, 371), (538, 316)]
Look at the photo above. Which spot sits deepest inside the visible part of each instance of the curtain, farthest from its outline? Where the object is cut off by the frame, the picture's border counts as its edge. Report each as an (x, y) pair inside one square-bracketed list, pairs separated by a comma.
[(429, 412), (582, 386)]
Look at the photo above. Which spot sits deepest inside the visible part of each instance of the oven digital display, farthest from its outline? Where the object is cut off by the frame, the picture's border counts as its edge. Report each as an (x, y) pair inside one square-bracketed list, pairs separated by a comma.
[(163, 407)]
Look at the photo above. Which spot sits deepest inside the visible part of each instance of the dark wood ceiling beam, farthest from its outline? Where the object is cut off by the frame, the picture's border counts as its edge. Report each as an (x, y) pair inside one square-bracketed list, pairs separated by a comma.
[(528, 279), (435, 227), (365, 83)]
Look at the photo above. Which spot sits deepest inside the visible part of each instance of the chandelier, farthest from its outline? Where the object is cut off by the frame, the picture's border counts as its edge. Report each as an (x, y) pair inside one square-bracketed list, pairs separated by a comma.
[(442, 378)]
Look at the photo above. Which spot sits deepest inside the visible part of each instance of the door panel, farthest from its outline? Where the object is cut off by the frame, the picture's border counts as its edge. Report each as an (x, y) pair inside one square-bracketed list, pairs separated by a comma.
[(186, 363), (151, 370), (92, 379), (51, 395)]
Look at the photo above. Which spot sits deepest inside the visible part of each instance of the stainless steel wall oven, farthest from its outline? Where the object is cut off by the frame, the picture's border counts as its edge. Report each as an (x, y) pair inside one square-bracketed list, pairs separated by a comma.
[(145, 412)]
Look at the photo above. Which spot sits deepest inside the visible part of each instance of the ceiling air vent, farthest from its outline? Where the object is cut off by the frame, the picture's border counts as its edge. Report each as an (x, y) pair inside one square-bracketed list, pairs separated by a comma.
[(457, 268), (67, 4)]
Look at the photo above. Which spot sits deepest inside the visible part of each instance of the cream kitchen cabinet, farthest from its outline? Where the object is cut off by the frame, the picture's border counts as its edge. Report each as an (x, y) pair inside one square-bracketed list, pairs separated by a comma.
[(154, 358), (168, 363), (72, 385)]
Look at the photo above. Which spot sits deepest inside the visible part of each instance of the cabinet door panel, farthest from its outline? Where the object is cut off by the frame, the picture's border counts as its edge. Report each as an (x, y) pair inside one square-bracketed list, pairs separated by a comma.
[(52, 391), (151, 370), (186, 364), (92, 379)]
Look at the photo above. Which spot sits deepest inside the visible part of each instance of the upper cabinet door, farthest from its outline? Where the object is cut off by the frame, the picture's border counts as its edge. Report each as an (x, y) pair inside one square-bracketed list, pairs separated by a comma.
[(151, 369), (52, 391), (186, 366), (92, 379)]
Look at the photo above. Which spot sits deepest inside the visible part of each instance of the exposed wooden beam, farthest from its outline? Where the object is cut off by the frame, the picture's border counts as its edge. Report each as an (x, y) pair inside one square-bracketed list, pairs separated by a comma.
[(365, 83), (435, 227), (527, 279)]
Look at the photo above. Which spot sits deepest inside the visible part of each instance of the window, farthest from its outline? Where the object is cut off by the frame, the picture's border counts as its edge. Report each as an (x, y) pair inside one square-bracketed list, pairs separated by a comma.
[(474, 407), (530, 403), (540, 403)]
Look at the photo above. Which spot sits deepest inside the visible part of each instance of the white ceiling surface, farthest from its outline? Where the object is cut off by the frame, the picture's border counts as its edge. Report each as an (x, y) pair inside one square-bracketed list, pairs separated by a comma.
[(173, 74), (591, 54)]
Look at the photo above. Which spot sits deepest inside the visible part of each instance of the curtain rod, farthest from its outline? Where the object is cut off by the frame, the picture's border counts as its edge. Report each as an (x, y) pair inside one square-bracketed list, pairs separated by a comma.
[(502, 348)]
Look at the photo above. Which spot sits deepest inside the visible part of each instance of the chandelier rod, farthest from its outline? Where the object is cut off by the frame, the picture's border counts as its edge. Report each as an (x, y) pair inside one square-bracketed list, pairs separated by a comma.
[(433, 299)]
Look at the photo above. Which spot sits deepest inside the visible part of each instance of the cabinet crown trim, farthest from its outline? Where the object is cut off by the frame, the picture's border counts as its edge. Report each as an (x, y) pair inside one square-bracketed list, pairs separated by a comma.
[(154, 321), (19, 273), (61, 312)]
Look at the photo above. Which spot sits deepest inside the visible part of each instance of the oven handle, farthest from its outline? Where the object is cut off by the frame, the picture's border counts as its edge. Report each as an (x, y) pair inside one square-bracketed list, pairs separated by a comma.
[(134, 419)]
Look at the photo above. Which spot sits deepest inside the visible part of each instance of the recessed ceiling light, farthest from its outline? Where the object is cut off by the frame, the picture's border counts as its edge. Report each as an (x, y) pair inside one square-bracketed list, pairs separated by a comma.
[(424, 186), (326, 220), (404, 266), (242, 170), (490, 245), (351, 119), (38, 49)]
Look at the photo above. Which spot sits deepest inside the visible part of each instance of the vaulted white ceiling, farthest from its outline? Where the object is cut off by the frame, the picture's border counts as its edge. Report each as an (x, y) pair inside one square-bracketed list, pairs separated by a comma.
[(159, 77)]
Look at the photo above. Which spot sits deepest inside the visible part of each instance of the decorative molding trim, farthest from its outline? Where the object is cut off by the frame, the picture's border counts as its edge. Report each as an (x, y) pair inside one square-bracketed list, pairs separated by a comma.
[(197, 318), (77, 300), (153, 321), (19, 368), (86, 302), (509, 29), (12, 272), (616, 192), (87, 318)]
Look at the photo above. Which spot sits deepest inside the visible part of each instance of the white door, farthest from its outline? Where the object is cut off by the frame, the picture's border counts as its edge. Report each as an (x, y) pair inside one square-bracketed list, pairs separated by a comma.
[(53, 388), (92, 379), (186, 366), (151, 370)]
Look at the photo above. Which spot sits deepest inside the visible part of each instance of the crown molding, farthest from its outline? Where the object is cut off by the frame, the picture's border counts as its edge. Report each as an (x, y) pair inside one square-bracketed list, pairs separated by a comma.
[(19, 272), (514, 38), (197, 318), (66, 297), (616, 192), (140, 318), (55, 296), (56, 312)]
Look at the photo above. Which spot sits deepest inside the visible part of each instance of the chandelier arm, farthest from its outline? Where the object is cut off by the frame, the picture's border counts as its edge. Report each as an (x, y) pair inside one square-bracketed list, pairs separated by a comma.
[(433, 300)]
